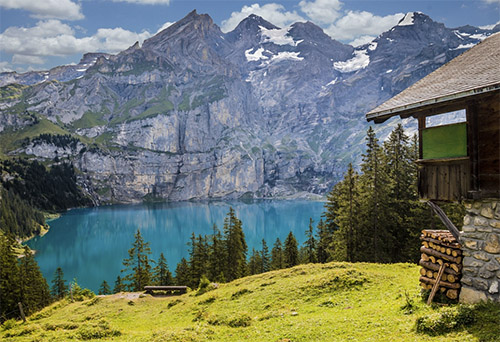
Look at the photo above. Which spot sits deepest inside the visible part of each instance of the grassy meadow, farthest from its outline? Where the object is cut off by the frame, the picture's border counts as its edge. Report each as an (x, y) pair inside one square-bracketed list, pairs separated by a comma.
[(314, 302)]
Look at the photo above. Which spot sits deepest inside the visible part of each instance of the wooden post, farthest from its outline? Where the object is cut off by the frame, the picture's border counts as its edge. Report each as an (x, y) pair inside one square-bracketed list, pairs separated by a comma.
[(436, 284), (22, 311)]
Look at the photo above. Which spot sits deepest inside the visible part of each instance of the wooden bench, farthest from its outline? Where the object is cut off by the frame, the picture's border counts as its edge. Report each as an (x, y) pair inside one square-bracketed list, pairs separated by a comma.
[(168, 289)]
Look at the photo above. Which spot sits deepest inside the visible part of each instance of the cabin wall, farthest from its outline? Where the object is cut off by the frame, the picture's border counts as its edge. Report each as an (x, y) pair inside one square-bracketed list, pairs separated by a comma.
[(488, 141), (480, 240)]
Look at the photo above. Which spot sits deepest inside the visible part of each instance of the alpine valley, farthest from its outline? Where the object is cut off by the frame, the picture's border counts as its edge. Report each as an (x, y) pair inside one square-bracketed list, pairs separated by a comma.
[(195, 113)]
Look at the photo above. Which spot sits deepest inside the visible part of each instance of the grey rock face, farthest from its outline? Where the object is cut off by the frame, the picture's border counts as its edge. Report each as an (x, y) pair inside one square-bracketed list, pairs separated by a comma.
[(260, 111)]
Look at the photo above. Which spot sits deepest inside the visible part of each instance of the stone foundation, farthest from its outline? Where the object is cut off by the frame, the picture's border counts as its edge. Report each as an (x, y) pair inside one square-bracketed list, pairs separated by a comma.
[(480, 238)]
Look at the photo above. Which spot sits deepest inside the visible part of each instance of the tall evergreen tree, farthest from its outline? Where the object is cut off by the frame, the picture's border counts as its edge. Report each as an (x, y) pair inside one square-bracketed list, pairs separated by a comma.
[(277, 255), (161, 273), (59, 288), (323, 242), (236, 247), (34, 290), (374, 202), (401, 171), (9, 278), (182, 276), (104, 288), (290, 251), (310, 244), (198, 258), (138, 264), (255, 263), (265, 257), (347, 242), (119, 287), (216, 256)]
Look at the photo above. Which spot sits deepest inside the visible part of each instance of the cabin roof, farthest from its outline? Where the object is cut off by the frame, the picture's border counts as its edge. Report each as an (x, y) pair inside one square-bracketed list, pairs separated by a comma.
[(474, 72)]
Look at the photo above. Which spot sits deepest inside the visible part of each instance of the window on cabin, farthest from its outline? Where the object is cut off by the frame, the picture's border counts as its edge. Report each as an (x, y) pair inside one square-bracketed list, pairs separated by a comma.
[(445, 136)]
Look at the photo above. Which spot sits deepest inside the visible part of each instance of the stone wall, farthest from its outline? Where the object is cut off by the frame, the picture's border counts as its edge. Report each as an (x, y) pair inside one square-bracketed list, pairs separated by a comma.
[(480, 239)]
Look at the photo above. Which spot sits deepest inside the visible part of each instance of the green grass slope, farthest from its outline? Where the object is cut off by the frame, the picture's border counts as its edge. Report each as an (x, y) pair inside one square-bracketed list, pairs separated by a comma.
[(330, 302)]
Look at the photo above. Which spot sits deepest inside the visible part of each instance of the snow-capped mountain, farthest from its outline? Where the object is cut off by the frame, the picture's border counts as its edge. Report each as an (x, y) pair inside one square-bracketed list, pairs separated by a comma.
[(260, 111)]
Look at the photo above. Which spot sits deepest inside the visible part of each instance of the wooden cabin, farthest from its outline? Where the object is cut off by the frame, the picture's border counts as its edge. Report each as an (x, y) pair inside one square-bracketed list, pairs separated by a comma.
[(460, 160)]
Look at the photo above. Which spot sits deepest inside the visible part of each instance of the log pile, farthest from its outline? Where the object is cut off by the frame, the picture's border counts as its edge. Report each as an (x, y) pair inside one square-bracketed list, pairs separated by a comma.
[(439, 248)]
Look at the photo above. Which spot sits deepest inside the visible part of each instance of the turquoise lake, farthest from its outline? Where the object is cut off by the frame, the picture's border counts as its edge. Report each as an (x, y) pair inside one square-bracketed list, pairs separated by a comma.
[(90, 244)]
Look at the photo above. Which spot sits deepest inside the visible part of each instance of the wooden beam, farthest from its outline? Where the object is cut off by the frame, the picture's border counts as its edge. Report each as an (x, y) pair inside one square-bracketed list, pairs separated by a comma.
[(446, 221), (472, 145)]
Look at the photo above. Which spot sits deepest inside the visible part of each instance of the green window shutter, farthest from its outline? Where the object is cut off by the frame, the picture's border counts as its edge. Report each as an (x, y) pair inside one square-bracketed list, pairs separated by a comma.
[(448, 141)]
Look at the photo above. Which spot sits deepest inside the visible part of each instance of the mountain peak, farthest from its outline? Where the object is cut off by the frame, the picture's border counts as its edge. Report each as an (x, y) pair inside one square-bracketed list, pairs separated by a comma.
[(412, 18), (252, 23), (193, 24)]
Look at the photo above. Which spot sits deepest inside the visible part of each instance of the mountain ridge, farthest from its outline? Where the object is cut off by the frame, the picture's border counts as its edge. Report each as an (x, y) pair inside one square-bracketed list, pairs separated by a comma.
[(196, 113)]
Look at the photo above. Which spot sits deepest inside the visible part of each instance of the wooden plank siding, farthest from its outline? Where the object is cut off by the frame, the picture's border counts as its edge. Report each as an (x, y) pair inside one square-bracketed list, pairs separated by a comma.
[(444, 180)]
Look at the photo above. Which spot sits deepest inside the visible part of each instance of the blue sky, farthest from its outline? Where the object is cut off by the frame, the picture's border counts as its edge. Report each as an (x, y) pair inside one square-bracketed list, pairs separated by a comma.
[(41, 34)]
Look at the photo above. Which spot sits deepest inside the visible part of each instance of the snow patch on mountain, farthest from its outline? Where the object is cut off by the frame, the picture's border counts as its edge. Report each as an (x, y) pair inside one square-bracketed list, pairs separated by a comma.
[(407, 20), (257, 55), (359, 61), (278, 36), (286, 55), (479, 36), (464, 46)]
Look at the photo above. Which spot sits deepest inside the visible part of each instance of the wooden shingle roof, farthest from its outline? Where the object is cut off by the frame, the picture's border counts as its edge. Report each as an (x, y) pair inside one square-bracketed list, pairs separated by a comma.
[(474, 72)]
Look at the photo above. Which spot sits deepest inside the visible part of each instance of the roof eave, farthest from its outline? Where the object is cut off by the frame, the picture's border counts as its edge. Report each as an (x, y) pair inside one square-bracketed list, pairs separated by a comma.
[(408, 110)]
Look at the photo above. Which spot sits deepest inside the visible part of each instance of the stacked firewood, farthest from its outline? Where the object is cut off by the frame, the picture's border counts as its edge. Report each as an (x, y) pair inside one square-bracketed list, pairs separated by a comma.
[(441, 262)]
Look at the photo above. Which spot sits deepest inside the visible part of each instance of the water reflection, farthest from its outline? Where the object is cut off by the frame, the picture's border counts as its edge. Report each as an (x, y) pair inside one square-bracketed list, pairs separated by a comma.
[(90, 244)]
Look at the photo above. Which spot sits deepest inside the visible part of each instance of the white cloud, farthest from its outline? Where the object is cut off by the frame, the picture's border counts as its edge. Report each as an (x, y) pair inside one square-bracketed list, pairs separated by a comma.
[(46, 9), (5, 67), (23, 59), (358, 23), (492, 1), (53, 38), (362, 40), (489, 27), (321, 11), (145, 2), (164, 26), (274, 13)]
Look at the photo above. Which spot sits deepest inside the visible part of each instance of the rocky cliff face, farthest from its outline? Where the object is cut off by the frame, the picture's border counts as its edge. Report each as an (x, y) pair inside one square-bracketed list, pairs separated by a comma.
[(195, 113)]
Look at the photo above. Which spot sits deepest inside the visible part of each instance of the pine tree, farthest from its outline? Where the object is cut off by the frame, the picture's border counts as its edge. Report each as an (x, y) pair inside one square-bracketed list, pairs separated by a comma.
[(265, 257), (59, 288), (374, 209), (161, 273), (9, 278), (255, 263), (401, 171), (277, 256), (216, 256), (182, 276), (290, 251), (138, 264), (119, 287), (324, 240), (104, 288), (310, 244), (198, 257), (347, 242), (34, 290), (236, 247)]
